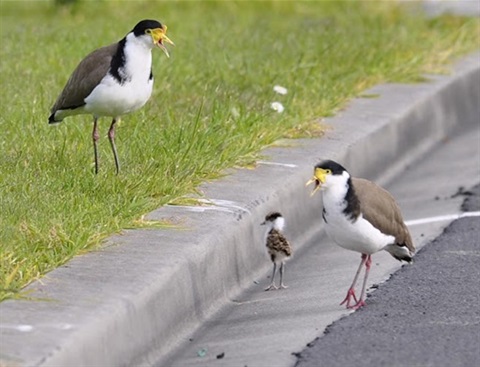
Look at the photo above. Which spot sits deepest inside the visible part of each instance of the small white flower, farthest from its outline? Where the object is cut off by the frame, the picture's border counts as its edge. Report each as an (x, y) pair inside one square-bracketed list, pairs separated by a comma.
[(277, 106), (280, 90), (235, 113)]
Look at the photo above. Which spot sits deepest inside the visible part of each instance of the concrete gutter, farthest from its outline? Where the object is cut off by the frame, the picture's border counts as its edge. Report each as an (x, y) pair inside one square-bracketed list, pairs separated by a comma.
[(138, 297)]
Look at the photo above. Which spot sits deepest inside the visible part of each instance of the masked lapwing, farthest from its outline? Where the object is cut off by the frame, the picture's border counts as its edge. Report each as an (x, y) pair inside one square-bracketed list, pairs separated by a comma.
[(360, 216), (278, 247), (113, 81)]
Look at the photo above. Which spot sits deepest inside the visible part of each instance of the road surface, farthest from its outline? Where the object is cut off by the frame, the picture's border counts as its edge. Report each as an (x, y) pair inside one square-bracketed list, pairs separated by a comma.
[(425, 315)]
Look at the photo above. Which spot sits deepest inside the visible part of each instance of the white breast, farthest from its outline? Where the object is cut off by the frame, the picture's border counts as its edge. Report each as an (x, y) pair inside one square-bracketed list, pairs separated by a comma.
[(111, 98), (359, 235)]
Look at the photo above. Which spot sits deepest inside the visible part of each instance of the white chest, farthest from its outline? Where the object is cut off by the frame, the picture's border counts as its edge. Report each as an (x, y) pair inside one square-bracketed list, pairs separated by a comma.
[(359, 235), (110, 98)]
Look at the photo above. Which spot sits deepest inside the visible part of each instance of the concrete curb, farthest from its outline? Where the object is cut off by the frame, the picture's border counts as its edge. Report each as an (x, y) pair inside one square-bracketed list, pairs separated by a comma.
[(132, 302)]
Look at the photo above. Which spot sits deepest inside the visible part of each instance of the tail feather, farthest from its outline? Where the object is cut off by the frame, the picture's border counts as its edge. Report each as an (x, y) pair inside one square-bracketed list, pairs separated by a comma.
[(400, 252), (51, 119)]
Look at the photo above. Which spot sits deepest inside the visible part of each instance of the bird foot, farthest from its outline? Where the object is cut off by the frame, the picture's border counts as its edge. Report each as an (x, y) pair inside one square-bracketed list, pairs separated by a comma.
[(358, 305), (271, 287), (350, 295), (283, 286)]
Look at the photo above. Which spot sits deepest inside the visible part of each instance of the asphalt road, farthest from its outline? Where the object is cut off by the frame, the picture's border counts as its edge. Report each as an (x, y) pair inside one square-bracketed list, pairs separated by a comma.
[(268, 329), (425, 315)]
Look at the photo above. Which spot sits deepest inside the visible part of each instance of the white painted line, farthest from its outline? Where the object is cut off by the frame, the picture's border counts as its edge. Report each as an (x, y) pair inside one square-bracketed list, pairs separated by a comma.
[(24, 328), (201, 209), (278, 164), (441, 218), (226, 206)]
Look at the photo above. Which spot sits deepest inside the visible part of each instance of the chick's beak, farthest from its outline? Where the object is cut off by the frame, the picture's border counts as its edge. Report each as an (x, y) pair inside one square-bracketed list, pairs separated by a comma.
[(159, 36)]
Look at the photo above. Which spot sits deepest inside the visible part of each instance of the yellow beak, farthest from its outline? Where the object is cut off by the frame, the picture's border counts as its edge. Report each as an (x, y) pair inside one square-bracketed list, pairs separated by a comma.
[(159, 36), (318, 178)]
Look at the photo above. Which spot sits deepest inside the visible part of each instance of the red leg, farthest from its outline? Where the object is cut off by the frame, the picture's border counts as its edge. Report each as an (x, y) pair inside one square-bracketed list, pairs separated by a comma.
[(351, 290), (361, 301)]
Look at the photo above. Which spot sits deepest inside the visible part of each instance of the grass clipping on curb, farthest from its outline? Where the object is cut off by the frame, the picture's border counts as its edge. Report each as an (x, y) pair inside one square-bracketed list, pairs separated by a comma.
[(210, 108)]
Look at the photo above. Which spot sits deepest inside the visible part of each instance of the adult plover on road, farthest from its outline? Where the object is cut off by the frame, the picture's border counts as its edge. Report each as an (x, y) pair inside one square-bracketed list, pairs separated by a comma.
[(277, 246), (360, 216), (113, 81)]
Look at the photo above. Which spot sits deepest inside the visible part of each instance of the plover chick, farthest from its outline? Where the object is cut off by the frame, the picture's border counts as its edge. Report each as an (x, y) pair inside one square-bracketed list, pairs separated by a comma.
[(278, 247)]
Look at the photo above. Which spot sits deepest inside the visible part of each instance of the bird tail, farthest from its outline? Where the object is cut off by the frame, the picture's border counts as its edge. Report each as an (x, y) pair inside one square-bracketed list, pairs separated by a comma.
[(51, 119), (400, 252)]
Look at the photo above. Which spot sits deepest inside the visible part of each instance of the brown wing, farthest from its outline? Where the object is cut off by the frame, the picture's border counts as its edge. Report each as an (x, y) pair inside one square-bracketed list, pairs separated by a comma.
[(278, 243), (380, 208), (85, 78)]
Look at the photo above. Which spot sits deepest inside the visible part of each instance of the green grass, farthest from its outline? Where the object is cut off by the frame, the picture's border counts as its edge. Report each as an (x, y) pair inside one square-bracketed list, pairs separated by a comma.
[(209, 110)]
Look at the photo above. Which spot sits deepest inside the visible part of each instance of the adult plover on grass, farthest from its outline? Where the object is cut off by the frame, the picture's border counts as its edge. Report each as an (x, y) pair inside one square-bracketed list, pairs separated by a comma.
[(277, 246), (360, 216), (113, 81)]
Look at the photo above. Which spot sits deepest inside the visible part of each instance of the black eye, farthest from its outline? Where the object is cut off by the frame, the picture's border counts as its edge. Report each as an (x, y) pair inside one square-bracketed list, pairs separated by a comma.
[(148, 31)]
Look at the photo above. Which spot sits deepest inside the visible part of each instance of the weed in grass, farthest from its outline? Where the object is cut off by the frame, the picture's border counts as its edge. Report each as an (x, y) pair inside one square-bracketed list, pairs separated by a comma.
[(210, 108)]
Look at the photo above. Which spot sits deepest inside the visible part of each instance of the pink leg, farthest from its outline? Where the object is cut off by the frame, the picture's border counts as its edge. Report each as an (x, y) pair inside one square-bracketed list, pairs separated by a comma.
[(361, 301), (351, 290)]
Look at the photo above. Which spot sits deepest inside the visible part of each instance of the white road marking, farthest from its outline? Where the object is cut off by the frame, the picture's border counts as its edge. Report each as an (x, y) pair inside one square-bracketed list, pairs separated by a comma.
[(24, 328), (201, 209), (224, 204), (278, 164), (441, 218), (220, 205)]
